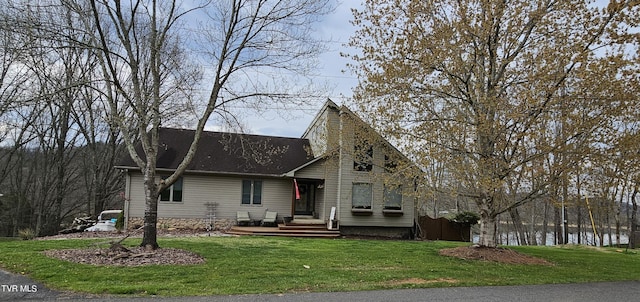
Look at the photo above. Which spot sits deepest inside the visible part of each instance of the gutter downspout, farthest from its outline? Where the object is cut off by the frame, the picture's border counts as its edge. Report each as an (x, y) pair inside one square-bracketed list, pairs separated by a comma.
[(127, 198), (340, 158)]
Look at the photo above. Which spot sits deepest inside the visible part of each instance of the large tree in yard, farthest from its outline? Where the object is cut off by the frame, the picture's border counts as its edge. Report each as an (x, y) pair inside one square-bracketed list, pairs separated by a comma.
[(496, 89), (158, 56)]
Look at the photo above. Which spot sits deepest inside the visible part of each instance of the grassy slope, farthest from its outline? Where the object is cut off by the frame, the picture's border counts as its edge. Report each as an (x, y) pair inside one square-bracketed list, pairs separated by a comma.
[(273, 265)]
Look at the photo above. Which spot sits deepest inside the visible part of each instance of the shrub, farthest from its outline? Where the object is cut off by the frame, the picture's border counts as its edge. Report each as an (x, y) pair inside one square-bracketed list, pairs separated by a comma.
[(466, 218), (120, 222), (27, 234)]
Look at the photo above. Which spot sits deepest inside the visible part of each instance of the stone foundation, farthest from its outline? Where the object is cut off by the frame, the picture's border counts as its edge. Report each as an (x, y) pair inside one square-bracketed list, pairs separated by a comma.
[(377, 232), (183, 223)]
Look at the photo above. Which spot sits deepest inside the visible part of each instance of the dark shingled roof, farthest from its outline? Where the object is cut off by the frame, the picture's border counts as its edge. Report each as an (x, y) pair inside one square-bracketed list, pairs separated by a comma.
[(221, 152)]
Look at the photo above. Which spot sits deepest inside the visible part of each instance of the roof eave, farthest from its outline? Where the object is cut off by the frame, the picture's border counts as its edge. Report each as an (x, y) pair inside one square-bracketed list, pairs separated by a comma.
[(293, 172), (327, 104), (204, 172)]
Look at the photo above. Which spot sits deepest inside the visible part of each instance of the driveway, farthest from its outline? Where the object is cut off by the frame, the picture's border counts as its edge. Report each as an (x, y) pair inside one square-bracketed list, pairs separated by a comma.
[(15, 287), (19, 288)]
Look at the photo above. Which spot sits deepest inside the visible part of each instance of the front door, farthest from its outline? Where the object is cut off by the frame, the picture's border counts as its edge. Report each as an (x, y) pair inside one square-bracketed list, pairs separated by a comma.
[(305, 205)]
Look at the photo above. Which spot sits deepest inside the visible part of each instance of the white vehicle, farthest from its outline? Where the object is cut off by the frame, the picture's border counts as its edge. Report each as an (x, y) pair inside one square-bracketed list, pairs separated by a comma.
[(106, 221)]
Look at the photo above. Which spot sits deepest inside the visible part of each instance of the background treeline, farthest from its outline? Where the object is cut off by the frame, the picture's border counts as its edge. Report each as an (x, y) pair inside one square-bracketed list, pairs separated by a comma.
[(43, 190), (57, 145), (600, 208)]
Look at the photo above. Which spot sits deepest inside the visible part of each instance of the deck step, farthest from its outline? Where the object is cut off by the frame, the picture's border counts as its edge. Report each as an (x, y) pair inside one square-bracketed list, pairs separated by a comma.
[(306, 235), (273, 231), (302, 227)]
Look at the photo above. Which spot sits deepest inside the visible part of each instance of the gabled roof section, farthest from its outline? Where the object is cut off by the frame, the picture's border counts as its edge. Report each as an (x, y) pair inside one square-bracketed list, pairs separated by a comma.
[(364, 125), (329, 104), (230, 153), (343, 110)]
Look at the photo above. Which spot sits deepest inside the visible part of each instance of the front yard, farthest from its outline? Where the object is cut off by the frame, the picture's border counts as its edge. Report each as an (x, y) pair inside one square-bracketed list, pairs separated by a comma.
[(242, 265)]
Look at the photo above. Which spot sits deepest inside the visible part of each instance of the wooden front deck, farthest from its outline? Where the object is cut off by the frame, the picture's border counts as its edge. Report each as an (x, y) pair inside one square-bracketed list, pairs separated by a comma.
[(296, 228)]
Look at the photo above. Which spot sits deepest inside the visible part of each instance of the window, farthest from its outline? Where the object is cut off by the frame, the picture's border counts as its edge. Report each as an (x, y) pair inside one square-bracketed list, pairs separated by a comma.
[(392, 197), (361, 196), (251, 192), (390, 165), (363, 157), (172, 193)]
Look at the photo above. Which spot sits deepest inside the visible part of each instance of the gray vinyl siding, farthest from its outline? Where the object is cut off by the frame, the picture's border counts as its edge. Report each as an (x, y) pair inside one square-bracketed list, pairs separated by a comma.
[(324, 132), (334, 131), (226, 191), (376, 177), (326, 170), (331, 135), (317, 134), (317, 170), (377, 217), (324, 135)]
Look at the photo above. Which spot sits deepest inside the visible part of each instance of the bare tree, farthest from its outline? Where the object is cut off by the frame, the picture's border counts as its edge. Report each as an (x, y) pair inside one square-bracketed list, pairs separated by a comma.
[(102, 150), (147, 50), (49, 84), (15, 79)]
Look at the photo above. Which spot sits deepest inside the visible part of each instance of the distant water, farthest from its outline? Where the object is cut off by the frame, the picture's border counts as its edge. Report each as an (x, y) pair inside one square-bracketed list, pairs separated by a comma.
[(587, 239)]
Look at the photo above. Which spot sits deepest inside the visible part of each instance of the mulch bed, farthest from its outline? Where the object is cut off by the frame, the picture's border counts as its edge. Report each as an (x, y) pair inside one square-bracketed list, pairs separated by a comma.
[(500, 255), (134, 234), (95, 256), (130, 256)]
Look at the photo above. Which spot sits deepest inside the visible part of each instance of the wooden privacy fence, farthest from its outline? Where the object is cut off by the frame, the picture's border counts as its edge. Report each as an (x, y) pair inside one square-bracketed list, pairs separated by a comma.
[(634, 240), (443, 229)]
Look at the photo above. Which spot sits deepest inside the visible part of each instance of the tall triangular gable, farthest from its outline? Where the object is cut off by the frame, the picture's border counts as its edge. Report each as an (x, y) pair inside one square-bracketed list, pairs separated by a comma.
[(324, 131)]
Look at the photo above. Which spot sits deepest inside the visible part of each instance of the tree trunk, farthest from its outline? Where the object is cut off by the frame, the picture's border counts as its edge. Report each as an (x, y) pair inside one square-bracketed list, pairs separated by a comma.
[(532, 227), (579, 220), (488, 227), (617, 216), (634, 221), (152, 193), (519, 228), (579, 210), (565, 198), (557, 225), (545, 223), (488, 232), (609, 229)]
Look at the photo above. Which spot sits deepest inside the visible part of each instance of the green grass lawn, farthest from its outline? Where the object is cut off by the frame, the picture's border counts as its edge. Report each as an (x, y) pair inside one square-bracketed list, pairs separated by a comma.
[(243, 265)]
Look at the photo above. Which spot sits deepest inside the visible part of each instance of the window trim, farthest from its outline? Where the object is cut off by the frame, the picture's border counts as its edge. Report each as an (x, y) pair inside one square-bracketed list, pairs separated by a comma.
[(392, 211), (252, 192), (362, 211), (387, 191), (172, 191)]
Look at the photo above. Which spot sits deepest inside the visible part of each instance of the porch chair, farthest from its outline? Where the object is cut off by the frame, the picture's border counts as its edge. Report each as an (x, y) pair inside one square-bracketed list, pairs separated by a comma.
[(269, 218), (243, 218)]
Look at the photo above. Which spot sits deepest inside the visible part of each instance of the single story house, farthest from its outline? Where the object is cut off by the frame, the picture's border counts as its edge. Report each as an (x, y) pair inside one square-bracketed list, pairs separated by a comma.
[(340, 168)]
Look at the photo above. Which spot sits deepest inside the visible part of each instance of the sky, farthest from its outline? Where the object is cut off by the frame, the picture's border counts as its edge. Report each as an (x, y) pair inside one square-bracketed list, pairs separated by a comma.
[(336, 28)]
